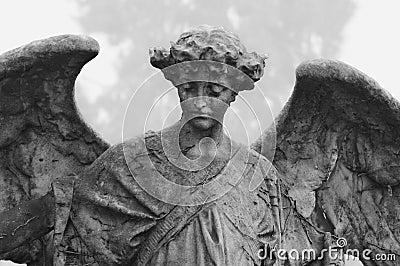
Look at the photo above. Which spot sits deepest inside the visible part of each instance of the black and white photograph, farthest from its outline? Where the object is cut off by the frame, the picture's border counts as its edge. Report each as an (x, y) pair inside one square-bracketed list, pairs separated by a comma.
[(187, 132)]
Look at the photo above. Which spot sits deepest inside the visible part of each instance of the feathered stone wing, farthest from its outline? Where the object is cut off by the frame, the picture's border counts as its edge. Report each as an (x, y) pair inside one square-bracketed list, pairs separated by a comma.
[(338, 151), (42, 136)]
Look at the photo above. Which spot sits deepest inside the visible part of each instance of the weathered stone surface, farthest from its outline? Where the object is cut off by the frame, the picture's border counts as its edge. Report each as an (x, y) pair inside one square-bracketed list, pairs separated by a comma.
[(338, 136), (42, 136), (336, 159)]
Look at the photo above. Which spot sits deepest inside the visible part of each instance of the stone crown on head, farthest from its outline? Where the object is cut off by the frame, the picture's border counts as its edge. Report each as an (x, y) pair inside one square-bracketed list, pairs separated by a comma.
[(209, 43)]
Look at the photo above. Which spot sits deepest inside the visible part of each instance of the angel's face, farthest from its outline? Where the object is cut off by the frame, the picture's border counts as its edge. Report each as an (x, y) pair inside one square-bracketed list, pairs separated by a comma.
[(204, 104)]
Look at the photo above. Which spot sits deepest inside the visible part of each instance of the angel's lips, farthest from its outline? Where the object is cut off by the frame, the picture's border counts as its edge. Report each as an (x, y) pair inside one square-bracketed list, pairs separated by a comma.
[(205, 117), (202, 115), (203, 121)]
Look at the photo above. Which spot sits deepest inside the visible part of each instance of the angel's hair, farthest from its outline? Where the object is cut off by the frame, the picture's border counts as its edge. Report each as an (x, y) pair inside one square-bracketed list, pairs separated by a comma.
[(210, 43)]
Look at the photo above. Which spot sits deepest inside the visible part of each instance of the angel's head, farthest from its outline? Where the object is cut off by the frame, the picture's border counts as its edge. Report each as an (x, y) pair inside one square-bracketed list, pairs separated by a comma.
[(209, 66)]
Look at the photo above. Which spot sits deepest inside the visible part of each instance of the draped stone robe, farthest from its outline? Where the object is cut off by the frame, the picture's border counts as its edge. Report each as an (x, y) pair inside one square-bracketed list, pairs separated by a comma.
[(114, 221)]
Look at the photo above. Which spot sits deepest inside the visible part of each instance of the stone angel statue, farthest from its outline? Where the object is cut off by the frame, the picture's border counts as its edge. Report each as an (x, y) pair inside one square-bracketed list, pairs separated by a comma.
[(188, 194)]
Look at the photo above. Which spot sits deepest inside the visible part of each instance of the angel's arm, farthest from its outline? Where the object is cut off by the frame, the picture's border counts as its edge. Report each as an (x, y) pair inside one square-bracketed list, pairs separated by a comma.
[(28, 221)]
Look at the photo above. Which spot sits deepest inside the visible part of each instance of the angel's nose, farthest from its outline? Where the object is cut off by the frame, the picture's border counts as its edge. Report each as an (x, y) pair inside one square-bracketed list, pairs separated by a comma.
[(200, 102)]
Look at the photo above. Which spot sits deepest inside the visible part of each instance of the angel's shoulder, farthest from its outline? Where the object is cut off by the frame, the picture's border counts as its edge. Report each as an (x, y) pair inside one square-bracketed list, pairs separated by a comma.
[(111, 167), (118, 154)]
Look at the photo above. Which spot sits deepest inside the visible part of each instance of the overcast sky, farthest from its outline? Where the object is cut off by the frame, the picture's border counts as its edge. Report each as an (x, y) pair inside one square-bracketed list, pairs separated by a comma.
[(371, 42)]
